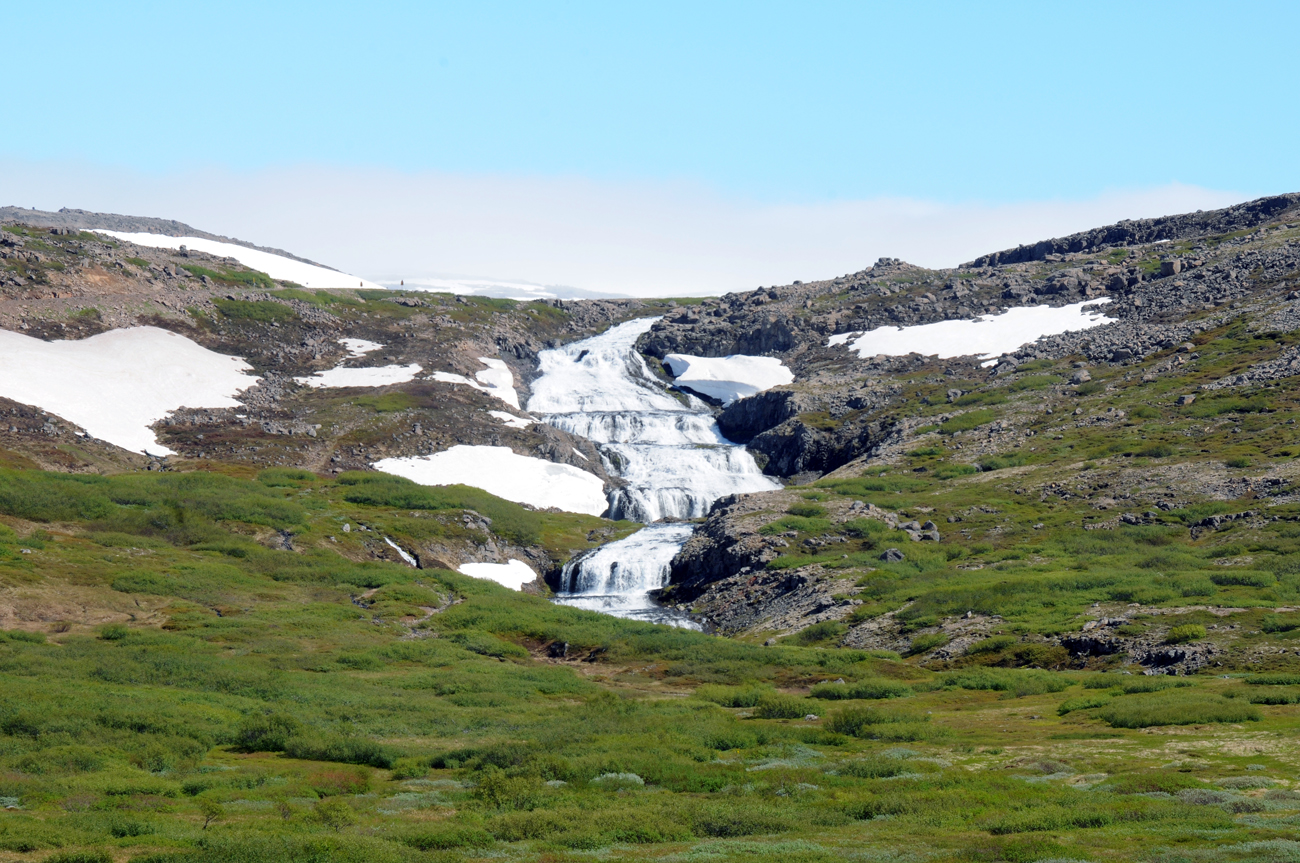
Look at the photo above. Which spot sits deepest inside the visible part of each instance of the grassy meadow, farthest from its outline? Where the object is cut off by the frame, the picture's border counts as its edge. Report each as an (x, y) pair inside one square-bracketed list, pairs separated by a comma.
[(207, 667), (244, 702)]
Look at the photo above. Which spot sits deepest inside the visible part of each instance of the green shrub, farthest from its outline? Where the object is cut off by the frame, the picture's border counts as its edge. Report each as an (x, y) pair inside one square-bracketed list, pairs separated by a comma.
[(926, 643), (343, 750), (97, 855), (1001, 462), (874, 768), (967, 421), (1033, 382), (1175, 708), (114, 632), (1238, 462), (1244, 578), (1159, 450), (448, 837), (510, 520), (777, 706), (1185, 633), (732, 696), (807, 510), (1017, 682), (1273, 680), (950, 471), (268, 733), (498, 790), (334, 813), (860, 721), (1091, 388), (863, 528), (818, 632), (22, 635), (1274, 696), (487, 644), (1153, 683), (262, 311), (864, 689), (726, 820), (1086, 702), (285, 477), (1280, 623)]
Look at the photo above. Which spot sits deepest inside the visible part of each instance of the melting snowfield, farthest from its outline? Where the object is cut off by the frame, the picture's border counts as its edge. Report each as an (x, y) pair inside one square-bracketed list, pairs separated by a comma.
[(497, 470), (359, 347), (495, 380), (513, 573), (515, 422), (374, 376), (986, 336), (727, 379), (116, 384), (275, 266)]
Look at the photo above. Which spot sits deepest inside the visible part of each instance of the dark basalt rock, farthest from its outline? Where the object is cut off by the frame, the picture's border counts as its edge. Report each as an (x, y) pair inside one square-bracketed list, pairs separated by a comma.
[(1138, 231)]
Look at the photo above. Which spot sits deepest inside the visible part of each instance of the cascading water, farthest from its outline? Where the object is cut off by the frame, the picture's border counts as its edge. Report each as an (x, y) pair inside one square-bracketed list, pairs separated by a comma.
[(669, 452)]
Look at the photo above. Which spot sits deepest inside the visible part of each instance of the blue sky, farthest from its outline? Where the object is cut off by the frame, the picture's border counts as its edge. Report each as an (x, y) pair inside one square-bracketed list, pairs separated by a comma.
[(794, 104)]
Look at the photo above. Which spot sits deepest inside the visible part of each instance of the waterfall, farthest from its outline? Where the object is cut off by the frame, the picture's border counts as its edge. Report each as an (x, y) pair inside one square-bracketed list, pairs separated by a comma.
[(667, 449)]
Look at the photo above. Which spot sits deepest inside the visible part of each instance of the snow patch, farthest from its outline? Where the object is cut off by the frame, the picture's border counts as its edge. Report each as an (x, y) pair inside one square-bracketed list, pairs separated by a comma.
[(359, 347), (116, 384), (496, 380), (498, 471), (276, 266), (513, 574), (511, 420), (986, 336), (727, 378), (375, 376), (579, 454)]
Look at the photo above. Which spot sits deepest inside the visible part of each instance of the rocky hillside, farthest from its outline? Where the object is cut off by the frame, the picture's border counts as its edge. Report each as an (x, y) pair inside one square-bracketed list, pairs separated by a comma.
[(1087, 493), (1077, 497)]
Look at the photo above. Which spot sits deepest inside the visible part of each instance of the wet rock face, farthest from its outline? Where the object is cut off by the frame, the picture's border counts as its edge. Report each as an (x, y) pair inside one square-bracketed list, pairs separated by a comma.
[(737, 330), (794, 447), (743, 420)]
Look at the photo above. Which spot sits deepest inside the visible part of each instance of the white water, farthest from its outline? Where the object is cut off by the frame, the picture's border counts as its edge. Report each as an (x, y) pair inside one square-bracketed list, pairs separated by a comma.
[(617, 577), (670, 453)]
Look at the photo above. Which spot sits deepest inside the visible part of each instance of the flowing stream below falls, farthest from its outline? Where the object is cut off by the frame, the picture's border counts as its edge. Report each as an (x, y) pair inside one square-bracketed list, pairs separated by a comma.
[(667, 449)]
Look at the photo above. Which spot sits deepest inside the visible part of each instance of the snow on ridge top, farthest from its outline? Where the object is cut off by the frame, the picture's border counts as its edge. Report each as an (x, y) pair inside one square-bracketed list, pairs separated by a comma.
[(986, 336), (513, 573), (727, 378), (275, 266), (118, 383), (495, 380), (499, 471)]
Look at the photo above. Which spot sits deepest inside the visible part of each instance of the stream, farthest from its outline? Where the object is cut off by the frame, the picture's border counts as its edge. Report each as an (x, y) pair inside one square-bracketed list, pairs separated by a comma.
[(665, 446)]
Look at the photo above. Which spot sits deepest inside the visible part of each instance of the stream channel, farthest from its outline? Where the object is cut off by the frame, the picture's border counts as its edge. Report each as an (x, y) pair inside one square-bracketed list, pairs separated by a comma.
[(665, 446)]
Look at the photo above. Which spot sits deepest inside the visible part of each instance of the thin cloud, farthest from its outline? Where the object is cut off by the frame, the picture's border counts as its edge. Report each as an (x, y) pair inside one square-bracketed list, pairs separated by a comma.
[(628, 238)]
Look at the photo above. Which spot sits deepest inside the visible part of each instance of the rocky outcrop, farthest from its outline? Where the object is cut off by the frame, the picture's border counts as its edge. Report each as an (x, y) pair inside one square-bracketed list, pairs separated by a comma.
[(1131, 232), (721, 571), (798, 447)]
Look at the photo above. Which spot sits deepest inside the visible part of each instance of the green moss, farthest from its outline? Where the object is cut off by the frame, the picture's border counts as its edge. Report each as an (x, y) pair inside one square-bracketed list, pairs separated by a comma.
[(967, 421), (261, 311)]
